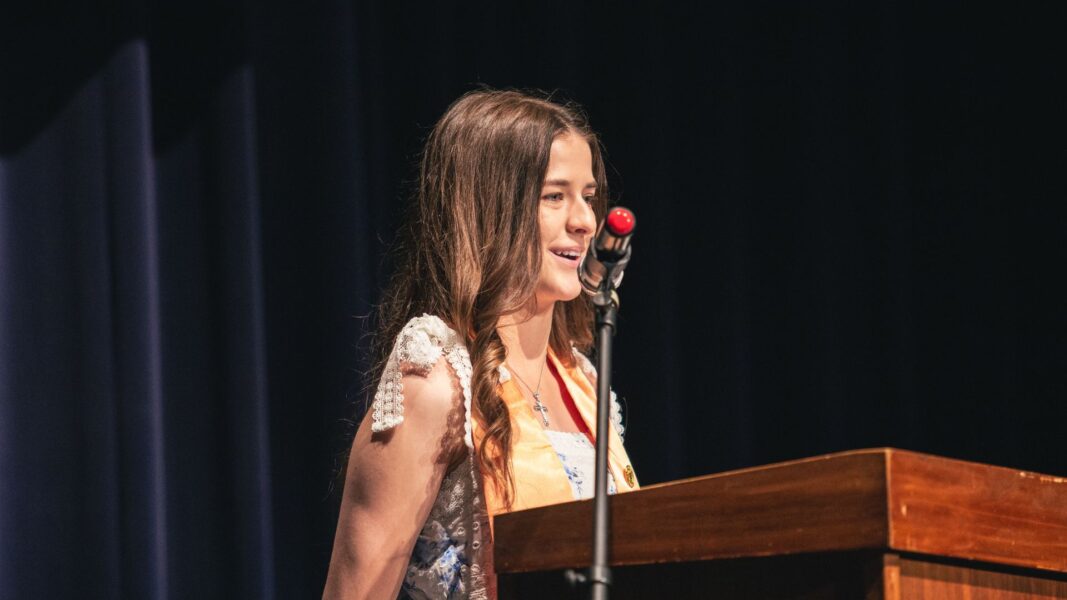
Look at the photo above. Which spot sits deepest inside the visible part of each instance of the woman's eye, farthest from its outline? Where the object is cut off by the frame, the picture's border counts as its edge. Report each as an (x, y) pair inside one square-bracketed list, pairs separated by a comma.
[(555, 197), (590, 199)]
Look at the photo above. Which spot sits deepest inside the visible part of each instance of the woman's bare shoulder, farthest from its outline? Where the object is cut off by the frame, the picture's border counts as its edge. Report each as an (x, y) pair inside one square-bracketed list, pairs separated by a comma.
[(431, 433), (430, 394)]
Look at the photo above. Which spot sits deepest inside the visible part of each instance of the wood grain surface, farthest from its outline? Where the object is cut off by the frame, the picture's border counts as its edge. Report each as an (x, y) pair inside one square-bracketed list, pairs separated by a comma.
[(967, 510), (828, 503), (879, 499)]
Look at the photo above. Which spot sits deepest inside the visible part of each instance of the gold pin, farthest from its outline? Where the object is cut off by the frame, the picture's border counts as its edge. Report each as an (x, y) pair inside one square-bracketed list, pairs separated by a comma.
[(628, 473)]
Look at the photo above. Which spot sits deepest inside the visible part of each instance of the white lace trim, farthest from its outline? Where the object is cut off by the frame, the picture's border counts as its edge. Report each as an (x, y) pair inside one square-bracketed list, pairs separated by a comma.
[(419, 346), (590, 371), (578, 456), (481, 560)]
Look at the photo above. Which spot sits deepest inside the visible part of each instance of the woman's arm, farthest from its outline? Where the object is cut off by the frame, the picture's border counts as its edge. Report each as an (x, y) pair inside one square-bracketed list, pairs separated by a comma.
[(391, 483)]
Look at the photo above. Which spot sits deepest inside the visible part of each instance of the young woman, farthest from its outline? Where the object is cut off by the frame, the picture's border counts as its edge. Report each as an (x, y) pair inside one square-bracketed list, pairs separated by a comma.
[(485, 402)]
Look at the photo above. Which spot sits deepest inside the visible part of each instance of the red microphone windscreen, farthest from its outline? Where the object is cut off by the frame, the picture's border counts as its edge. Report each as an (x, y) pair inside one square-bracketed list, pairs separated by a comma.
[(620, 221)]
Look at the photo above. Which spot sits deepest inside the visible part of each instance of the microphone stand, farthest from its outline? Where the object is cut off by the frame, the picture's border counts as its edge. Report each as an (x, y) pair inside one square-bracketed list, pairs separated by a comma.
[(607, 310)]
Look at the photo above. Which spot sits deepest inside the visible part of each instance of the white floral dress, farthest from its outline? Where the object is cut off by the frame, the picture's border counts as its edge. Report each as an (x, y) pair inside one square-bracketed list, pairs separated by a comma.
[(452, 554)]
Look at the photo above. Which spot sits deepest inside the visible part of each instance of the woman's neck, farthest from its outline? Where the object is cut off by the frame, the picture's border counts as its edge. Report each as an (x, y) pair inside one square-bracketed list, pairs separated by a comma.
[(526, 338)]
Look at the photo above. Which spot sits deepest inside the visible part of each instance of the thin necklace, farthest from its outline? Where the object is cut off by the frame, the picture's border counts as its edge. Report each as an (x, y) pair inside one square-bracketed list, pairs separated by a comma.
[(538, 406)]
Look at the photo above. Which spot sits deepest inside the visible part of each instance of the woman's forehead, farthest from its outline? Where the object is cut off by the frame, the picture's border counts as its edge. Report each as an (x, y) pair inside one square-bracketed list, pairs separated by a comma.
[(570, 162)]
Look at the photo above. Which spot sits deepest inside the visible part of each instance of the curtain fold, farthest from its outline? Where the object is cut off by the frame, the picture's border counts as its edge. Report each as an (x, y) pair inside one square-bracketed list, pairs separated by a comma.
[(129, 183), (81, 276)]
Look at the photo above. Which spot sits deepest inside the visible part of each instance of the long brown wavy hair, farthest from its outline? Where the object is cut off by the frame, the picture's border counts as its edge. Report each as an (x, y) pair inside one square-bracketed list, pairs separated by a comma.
[(470, 250)]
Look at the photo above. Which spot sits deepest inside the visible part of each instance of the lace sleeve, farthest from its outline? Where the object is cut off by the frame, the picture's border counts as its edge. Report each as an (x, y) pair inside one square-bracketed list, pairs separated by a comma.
[(616, 411), (421, 343)]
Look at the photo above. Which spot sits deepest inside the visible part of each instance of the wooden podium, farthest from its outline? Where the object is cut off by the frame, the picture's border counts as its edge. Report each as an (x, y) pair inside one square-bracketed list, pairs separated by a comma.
[(867, 524)]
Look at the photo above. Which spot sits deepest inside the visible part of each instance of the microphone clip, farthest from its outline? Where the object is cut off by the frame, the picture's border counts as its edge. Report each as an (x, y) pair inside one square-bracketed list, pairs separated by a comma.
[(610, 276)]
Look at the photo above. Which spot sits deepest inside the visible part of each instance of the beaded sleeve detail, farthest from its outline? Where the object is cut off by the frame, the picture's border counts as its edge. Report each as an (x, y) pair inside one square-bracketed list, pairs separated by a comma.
[(452, 555), (590, 371), (420, 344)]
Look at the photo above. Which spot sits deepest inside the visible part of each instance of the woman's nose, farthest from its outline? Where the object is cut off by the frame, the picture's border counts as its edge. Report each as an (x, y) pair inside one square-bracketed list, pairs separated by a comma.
[(582, 219)]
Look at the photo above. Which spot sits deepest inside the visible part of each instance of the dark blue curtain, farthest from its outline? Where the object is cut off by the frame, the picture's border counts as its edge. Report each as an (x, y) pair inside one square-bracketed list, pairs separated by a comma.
[(83, 469), (135, 382), (179, 220), (850, 234)]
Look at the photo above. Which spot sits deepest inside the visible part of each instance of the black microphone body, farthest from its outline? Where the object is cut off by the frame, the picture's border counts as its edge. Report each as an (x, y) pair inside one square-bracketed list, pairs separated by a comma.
[(609, 250)]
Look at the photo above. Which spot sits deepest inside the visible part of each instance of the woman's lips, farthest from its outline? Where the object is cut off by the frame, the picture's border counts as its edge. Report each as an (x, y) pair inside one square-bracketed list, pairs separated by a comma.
[(570, 262)]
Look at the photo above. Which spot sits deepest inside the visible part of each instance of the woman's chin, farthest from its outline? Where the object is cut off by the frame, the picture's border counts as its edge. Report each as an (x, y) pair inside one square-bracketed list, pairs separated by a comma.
[(547, 298), (570, 294)]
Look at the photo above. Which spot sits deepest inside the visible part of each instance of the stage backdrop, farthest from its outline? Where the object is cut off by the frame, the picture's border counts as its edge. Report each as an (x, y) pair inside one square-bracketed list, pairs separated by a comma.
[(851, 234)]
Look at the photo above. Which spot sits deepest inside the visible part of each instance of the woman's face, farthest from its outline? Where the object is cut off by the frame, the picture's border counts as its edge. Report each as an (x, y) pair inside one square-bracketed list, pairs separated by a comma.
[(567, 219)]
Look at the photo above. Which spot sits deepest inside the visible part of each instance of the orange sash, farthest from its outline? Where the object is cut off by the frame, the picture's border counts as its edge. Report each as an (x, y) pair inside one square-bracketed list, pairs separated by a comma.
[(538, 473)]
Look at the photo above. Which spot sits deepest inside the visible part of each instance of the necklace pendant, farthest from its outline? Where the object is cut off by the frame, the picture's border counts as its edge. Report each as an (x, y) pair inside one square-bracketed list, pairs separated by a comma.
[(538, 406), (541, 408)]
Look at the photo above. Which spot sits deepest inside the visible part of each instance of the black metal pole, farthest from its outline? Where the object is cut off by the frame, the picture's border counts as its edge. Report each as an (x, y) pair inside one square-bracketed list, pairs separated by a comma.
[(599, 571), (611, 252)]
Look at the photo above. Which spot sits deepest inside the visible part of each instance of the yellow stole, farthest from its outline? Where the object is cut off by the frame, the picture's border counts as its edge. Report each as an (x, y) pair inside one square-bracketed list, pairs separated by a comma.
[(537, 471)]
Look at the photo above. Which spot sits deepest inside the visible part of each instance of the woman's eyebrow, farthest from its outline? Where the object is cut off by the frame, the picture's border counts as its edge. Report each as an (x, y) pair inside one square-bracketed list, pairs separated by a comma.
[(567, 183)]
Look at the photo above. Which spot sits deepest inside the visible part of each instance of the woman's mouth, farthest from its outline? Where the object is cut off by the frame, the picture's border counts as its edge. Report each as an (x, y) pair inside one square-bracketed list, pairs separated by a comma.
[(569, 255)]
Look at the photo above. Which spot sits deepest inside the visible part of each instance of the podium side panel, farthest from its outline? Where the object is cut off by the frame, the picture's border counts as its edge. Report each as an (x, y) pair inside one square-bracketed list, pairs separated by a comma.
[(952, 508)]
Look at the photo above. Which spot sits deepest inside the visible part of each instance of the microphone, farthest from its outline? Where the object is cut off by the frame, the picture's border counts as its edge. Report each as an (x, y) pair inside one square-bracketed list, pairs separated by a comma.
[(609, 249)]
